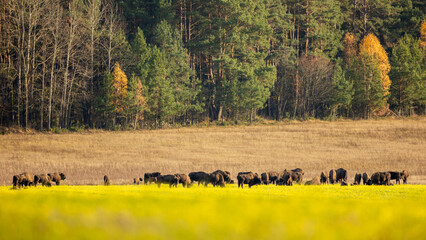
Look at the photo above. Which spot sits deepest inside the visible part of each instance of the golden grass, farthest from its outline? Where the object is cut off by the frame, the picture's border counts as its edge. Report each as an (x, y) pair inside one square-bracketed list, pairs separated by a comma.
[(315, 146)]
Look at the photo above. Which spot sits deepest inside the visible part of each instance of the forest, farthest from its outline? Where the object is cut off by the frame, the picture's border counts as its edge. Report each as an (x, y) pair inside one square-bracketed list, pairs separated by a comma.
[(133, 64)]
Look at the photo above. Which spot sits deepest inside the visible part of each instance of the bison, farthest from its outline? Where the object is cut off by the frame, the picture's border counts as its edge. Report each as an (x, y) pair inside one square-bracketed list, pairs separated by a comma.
[(217, 179), (56, 177), (172, 180), (396, 176), (248, 178), (296, 176), (323, 178), (265, 178), (332, 176), (315, 181), (106, 180), (274, 177), (298, 170), (226, 175), (357, 179), (23, 179), (183, 179), (137, 181), (44, 179), (365, 178), (380, 178), (404, 176), (200, 177), (146, 176), (341, 175), (285, 179)]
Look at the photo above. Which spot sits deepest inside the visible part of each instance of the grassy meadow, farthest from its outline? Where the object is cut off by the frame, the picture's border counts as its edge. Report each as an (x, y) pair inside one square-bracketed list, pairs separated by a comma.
[(315, 146), (262, 212)]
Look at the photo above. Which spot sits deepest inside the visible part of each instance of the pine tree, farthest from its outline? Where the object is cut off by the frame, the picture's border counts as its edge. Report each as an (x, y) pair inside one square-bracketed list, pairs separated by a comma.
[(408, 85), (342, 91)]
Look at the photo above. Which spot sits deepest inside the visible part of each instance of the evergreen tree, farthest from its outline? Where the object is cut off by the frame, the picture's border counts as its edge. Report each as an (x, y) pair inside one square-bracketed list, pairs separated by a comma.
[(408, 78), (342, 91)]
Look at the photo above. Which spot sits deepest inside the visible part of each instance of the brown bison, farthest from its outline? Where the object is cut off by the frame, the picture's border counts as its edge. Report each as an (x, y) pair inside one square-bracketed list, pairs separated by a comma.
[(106, 180), (152, 175), (248, 178), (56, 177), (315, 181), (217, 179), (298, 170), (285, 179), (23, 179), (183, 179), (323, 178), (172, 180), (296, 176), (265, 178), (341, 175), (200, 177), (44, 179), (357, 179), (332, 176), (226, 175), (404, 176), (365, 178), (17, 181)]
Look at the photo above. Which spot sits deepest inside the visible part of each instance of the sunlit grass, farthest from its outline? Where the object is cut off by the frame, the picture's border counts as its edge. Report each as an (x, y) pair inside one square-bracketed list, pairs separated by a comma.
[(262, 212)]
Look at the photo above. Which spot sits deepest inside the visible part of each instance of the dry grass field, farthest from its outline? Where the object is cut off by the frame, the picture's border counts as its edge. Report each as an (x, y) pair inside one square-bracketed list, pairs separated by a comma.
[(315, 146)]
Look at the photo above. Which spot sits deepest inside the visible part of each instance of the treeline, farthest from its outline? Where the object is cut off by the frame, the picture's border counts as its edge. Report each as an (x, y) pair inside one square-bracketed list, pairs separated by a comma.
[(136, 64)]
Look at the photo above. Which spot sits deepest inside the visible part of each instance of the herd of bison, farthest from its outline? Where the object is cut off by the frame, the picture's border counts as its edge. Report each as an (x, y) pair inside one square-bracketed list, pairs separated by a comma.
[(220, 178)]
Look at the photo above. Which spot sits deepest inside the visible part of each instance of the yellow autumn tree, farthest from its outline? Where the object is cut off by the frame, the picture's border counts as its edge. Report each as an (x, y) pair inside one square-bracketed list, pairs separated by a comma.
[(119, 88), (423, 35), (371, 46)]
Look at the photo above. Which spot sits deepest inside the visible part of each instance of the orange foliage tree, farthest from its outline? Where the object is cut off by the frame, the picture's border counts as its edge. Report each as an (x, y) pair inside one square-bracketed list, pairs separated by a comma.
[(371, 47), (119, 88)]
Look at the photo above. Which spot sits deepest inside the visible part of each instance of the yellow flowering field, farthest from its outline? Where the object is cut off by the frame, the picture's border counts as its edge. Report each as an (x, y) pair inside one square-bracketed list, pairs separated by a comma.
[(260, 212)]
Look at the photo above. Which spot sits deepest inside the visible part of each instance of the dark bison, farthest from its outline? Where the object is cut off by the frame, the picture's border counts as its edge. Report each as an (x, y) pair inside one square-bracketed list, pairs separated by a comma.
[(56, 177), (365, 178), (265, 178), (296, 176), (183, 179), (341, 175), (248, 178), (332, 176), (323, 178), (152, 175), (226, 175), (217, 179), (274, 177), (285, 179), (172, 180), (404, 176), (17, 181), (106, 180), (137, 181), (396, 176), (200, 177), (44, 179), (380, 178), (357, 179)]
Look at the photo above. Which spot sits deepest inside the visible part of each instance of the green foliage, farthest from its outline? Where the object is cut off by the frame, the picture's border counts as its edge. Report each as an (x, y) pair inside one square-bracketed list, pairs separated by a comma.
[(148, 212), (408, 75), (343, 90)]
